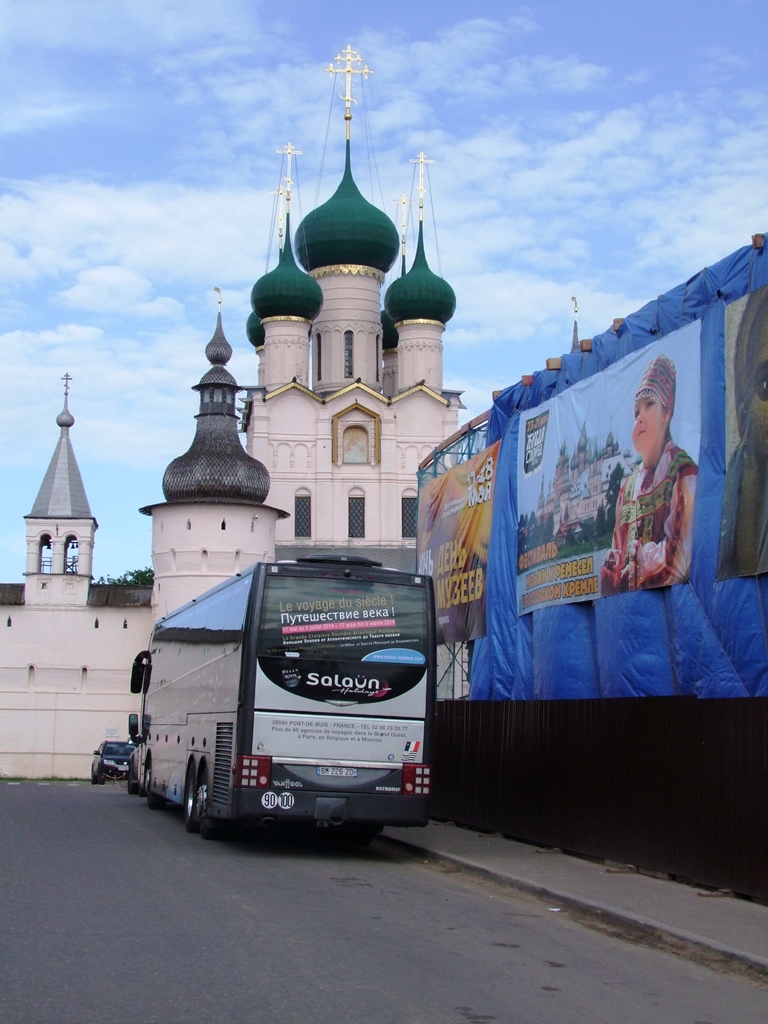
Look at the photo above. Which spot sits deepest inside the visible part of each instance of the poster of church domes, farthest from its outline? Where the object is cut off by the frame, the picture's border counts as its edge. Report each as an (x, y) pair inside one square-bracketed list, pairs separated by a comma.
[(607, 475)]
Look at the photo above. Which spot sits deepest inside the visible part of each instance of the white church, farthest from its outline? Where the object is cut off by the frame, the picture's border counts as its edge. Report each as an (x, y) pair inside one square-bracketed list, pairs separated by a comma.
[(349, 401)]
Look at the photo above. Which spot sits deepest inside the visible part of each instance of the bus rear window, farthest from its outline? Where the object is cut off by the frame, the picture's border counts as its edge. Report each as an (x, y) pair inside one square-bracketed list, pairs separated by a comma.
[(360, 621)]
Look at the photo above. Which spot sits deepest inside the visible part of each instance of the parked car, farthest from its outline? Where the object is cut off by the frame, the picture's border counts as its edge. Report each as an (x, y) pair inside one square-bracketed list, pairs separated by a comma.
[(110, 761)]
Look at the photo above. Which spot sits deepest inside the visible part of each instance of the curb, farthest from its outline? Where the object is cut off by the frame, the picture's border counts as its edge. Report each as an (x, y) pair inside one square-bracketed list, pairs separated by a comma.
[(662, 936)]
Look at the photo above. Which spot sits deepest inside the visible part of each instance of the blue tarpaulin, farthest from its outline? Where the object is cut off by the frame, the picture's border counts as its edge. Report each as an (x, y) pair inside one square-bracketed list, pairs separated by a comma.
[(706, 638)]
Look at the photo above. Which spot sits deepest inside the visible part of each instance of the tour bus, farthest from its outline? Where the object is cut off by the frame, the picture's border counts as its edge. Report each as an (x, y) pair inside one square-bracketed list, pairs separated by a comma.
[(294, 692)]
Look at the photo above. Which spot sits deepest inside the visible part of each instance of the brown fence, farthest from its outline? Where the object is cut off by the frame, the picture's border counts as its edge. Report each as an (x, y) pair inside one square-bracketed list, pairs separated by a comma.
[(670, 784)]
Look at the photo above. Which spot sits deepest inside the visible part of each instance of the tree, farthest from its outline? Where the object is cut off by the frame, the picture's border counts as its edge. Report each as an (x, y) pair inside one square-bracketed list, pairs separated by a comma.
[(612, 496), (600, 523), (133, 578)]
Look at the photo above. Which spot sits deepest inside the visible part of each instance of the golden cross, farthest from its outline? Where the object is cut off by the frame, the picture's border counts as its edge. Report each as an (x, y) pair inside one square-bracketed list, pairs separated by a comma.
[(405, 202), (349, 57), (421, 160), (289, 152), (575, 302), (279, 193), (218, 290)]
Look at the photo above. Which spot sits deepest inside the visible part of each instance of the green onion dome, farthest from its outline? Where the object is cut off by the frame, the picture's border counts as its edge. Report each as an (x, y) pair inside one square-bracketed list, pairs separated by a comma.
[(254, 331), (286, 290), (389, 332), (347, 230), (420, 294)]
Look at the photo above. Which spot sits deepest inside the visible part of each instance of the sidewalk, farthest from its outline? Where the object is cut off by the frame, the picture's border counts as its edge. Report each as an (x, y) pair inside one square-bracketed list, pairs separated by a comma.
[(684, 919)]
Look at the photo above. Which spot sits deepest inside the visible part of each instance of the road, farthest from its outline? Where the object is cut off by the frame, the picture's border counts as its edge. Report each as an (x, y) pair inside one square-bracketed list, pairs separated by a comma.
[(111, 913)]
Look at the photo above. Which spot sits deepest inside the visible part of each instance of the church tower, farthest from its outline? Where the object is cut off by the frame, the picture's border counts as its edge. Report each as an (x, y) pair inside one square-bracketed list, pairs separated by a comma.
[(60, 527), (214, 522), (344, 410)]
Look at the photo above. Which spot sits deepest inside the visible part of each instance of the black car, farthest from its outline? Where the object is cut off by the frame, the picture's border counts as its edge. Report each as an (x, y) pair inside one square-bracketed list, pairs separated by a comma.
[(110, 761)]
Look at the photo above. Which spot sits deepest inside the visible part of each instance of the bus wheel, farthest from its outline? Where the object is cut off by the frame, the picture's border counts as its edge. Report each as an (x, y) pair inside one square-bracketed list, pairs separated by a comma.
[(191, 819), (154, 802)]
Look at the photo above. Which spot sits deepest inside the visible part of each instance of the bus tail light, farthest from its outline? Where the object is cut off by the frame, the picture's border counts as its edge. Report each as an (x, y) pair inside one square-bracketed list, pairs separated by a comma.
[(253, 771), (416, 780)]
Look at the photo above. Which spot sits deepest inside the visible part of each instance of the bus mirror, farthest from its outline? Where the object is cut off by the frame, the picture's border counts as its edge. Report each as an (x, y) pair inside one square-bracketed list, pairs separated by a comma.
[(141, 668), (133, 726)]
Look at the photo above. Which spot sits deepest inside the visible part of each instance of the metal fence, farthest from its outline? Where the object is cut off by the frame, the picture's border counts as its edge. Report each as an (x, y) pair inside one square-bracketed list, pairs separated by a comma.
[(671, 784)]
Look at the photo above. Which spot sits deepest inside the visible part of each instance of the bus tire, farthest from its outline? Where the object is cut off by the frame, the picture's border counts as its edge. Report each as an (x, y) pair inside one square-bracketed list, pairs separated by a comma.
[(154, 802), (191, 819)]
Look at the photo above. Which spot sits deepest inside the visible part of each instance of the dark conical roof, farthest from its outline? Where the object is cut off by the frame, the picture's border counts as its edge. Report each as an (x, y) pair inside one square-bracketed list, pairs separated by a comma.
[(420, 294), (216, 467), (347, 229), (286, 290)]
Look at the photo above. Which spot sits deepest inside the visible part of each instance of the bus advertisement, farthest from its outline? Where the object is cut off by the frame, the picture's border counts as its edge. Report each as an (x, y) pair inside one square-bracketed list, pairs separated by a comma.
[(296, 692)]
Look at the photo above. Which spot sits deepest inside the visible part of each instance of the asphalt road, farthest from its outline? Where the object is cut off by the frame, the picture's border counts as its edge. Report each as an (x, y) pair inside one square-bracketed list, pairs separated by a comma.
[(111, 913)]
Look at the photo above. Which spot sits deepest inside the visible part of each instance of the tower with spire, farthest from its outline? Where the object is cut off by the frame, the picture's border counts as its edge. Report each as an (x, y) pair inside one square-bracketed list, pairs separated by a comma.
[(350, 396), (60, 528), (214, 521)]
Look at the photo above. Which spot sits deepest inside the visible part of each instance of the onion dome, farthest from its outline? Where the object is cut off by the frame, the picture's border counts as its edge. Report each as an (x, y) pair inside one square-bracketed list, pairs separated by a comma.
[(286, 290), (216, 467), (389, 332), (254, 331), (347, 230), (420, 294)]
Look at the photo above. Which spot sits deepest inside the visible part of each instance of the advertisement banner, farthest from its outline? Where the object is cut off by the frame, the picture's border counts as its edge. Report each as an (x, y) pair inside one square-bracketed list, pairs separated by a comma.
[(452, 547), (607, 476), (744, 525)]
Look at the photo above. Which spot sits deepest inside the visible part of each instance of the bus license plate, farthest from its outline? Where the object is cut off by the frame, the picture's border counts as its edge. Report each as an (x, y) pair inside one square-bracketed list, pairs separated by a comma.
[(350, 773)]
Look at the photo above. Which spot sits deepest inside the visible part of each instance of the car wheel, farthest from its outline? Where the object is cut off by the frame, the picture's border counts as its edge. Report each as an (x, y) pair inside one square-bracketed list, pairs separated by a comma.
[(100, 778), (133, 786), (191, 819), (154, 802), (94, 780)]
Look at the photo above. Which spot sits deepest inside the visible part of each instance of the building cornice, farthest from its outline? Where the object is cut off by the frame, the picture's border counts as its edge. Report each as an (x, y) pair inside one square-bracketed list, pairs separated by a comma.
[(284, 319), (420, 387), (357, 385), (341, 269), (293, 385), (423, 323)]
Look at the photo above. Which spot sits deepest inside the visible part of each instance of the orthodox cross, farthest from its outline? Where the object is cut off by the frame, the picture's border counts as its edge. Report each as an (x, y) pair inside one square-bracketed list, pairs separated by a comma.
[(347, 58), (421, 160), (279, 193), (288, 152), (66, 378), (405, 202)]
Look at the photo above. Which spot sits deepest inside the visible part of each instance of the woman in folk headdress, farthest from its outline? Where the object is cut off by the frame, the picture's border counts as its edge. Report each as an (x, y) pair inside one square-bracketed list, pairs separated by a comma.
[(654, 513)]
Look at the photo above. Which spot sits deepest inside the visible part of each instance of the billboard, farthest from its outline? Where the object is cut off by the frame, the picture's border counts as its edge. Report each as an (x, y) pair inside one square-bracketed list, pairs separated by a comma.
[(606, 478), (452, 546), (743, 549)]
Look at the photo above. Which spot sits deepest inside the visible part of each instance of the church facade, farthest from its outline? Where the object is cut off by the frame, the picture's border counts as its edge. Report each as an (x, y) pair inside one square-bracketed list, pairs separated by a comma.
[(349, 401)]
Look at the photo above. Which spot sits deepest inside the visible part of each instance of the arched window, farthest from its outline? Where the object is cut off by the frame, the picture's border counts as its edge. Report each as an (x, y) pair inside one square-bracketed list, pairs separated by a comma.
[(204, 560), (71, 554), (378, 357), (319, 341), (349, 362), (356, 516), (355, 445), (302, 517), (409, 515), (45, 554)]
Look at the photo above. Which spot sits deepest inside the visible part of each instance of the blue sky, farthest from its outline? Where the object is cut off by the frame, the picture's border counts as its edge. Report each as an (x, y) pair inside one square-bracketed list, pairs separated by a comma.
[(602, 150)]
